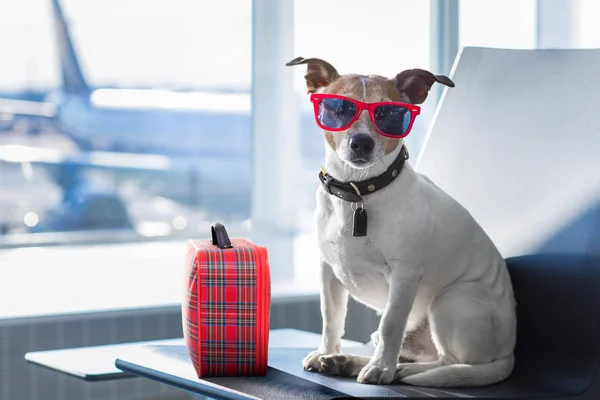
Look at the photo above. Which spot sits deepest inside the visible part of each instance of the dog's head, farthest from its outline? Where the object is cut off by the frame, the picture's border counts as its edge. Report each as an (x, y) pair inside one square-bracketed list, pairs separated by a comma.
[(362, 138)]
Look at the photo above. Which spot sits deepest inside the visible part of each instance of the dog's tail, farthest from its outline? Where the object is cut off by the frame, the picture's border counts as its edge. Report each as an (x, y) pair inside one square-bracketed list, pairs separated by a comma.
[(461, 375)]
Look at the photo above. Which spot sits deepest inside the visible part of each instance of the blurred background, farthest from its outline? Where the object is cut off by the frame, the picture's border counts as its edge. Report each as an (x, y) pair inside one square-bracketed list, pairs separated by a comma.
[(127, 127)]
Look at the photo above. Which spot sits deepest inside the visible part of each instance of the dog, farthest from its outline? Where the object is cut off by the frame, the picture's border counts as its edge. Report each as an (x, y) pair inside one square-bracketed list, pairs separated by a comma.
[(394, 241)]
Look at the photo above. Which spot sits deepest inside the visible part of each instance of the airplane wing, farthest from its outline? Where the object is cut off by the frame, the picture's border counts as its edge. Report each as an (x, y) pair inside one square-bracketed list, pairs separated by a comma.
[(213, 169), (12, 107), (14, 153), (34, 115)]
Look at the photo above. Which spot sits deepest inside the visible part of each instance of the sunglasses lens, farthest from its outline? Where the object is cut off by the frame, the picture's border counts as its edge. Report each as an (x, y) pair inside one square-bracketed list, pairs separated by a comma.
[(336, 113), (392, 120)]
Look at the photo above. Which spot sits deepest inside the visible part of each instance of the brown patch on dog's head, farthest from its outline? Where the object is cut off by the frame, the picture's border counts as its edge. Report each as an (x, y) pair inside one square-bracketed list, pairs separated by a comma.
[(390, 145), (409, 86), (330, 140)]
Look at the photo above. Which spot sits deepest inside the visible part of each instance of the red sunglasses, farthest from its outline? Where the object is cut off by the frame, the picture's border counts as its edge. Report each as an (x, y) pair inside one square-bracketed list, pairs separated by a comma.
[(337, 113)]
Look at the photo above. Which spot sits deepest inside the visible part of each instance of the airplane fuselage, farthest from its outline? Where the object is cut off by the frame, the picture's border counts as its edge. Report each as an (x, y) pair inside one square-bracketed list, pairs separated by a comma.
[(175, 124)]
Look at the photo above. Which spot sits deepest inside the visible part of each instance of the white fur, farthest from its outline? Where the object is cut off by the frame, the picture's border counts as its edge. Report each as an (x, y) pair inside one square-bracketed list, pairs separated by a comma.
[(424, 257), (363, 80)]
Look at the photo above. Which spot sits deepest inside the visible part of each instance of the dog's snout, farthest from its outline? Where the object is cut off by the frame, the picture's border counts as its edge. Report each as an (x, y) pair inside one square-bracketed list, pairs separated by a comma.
[(362, 144)]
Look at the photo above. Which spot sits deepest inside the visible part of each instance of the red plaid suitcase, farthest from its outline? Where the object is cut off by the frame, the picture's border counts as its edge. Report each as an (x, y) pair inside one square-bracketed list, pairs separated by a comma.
[(226, 307)]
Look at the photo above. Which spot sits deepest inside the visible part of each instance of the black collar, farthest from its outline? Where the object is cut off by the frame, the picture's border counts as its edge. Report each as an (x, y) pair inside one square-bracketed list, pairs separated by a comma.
[(353, 191)]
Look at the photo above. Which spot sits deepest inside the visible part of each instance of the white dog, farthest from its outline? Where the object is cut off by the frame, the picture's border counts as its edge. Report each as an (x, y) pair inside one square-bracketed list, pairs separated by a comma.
[(396, 242)]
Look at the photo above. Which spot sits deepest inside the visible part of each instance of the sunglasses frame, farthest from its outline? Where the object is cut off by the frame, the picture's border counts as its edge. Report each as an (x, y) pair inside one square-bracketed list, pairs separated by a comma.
[(414, 110)]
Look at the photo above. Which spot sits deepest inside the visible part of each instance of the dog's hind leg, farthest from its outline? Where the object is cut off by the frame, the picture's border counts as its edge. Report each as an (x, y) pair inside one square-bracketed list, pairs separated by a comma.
[(417, 344), (473, 329), (343, 364), (407, 369)]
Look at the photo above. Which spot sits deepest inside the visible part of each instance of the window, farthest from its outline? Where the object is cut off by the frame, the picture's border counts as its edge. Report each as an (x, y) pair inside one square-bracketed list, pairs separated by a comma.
[(28, 63), (504, 24), (587, 32), (148, 139), (181, 44), (382, 38), (166, 107)]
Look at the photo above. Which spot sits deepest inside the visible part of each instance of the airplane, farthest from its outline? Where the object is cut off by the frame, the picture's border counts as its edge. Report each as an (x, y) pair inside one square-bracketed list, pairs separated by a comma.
[(193, 147)]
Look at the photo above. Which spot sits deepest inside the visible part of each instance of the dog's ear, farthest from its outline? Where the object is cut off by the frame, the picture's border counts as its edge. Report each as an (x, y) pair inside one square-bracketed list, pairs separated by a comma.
[(414, 84), (319, 73)]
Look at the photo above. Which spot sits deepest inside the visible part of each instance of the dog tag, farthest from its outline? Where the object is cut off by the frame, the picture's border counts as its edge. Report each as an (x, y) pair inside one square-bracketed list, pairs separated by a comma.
[(360, 222)]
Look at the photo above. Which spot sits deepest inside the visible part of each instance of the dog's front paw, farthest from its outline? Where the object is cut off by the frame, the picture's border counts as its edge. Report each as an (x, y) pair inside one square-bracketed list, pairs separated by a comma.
[(311, 362), (377, 373)]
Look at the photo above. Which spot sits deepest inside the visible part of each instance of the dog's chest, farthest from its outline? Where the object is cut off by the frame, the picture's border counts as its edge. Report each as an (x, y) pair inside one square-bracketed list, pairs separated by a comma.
[(338, 244), (360, 263)]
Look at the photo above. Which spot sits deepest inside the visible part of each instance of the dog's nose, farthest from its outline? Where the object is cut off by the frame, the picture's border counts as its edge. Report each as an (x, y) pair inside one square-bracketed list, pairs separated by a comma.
[(362, 144)]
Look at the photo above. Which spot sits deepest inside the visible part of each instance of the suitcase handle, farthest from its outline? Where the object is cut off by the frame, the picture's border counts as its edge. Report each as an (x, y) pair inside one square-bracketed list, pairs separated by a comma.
[(220, 238)]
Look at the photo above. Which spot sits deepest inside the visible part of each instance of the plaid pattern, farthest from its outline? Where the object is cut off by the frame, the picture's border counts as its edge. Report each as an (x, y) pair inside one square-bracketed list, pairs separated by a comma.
[(226, 309)]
